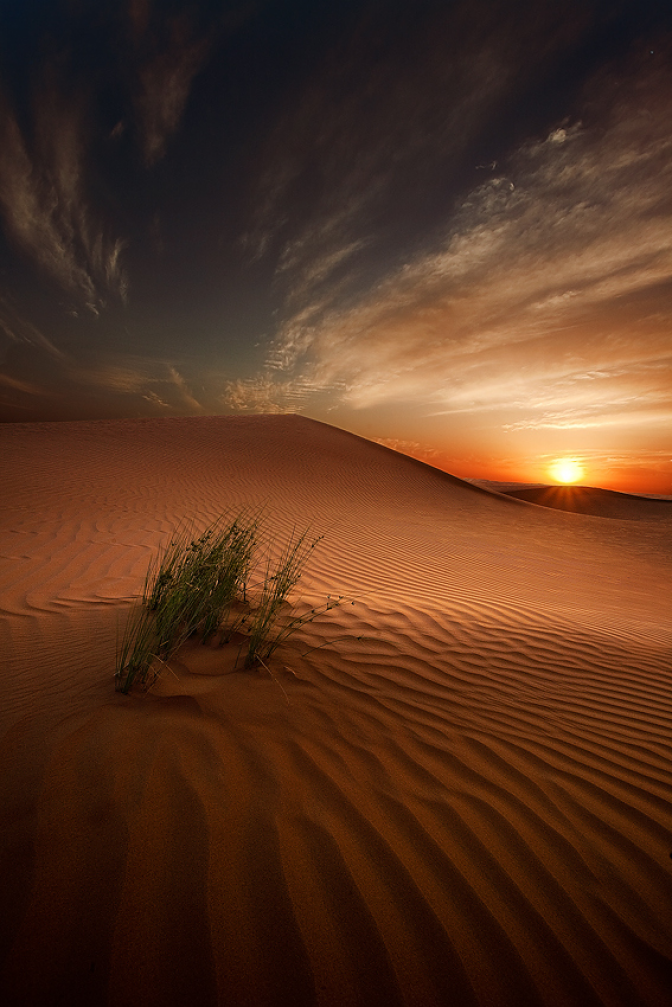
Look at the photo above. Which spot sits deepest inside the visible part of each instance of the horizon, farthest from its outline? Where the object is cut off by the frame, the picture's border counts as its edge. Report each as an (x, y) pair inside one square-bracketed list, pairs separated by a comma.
[(498, 486), (441, 226)]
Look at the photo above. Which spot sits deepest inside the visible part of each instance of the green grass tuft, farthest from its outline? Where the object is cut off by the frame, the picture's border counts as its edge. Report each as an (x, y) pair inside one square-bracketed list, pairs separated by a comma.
[(195, 584)]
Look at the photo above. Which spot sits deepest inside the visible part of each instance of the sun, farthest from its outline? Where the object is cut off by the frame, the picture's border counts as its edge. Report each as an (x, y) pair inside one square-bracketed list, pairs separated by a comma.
[(566, 470)]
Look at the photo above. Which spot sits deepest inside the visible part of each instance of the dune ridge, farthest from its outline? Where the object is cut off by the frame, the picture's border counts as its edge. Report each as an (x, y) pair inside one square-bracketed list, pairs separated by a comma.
[(456, 790), (598, 502)]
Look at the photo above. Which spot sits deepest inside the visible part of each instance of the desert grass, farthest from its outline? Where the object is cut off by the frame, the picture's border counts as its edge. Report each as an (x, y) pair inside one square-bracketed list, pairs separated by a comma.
[(138, 648), (195, 582), (264, 637), (200, 584)]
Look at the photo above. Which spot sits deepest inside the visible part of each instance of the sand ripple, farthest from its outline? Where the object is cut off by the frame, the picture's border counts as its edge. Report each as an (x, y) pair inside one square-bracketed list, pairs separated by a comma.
[(455, 791)]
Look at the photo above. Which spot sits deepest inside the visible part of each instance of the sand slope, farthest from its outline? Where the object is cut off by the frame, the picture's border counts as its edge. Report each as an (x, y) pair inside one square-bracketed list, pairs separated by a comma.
[(469, 805), (599, 502)]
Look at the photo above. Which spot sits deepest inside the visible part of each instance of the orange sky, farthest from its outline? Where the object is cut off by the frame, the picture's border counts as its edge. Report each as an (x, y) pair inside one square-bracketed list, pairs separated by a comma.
[(529, 456)]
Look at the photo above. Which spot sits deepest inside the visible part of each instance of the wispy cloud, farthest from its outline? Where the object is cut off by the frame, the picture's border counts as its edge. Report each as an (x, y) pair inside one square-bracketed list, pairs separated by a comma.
[(548, 273), (18, 330), (20, 340), (182, 390), (339, 149), (16, 385), (155, 400), (43, 197), (157, 381), (169, 54), (384, 120), (409, 447), (264, 395)]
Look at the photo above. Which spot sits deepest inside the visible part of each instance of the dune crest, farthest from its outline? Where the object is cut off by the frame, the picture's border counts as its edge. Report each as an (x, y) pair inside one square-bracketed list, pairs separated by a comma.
[(456, 790), (597, 502)]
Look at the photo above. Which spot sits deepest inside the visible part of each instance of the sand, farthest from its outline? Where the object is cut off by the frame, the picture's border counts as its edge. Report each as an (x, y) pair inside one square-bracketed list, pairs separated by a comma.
[(462, 797), (598, 502)]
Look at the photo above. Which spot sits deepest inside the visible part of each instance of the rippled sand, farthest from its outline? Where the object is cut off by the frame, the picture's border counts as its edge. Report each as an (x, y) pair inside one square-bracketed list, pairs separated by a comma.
[(462, 797)]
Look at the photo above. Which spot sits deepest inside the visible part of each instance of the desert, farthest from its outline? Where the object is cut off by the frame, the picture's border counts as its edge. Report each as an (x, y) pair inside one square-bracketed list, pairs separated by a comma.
[(454, 789)]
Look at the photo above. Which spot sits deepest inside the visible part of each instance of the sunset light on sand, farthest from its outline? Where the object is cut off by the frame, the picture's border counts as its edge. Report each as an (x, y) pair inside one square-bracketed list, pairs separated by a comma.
[(336, 503), (455, 790)]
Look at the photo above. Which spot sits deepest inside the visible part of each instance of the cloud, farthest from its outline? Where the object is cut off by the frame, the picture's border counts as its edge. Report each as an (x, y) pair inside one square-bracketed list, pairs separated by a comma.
[(18, 330), (43, 202), (22, 341), (155, 400), (550, 271), (386, 118), (357, 129), (169, 54), (264, 395), (183, 391), (86, 371), (157, 381), (15, 384), (409, 447)]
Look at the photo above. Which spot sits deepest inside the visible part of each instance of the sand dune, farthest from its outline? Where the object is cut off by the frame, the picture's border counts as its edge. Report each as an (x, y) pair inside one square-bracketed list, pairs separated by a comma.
[(598, 502), (462, 797)]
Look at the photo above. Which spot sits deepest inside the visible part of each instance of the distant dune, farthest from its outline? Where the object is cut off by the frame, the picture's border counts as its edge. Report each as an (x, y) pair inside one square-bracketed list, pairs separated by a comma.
[(455, 791), (598, 502)]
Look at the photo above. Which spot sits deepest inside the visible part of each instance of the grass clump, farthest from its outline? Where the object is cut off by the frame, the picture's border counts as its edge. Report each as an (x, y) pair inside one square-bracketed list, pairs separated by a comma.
[(194, 583), (264, 637), (200, 585)]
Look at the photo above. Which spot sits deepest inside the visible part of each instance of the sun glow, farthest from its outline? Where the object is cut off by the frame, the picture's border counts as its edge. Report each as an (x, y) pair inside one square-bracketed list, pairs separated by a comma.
[(566, 470)]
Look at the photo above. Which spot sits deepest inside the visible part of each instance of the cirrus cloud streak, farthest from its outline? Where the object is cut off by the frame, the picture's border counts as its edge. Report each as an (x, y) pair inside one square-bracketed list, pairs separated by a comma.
[(547, 296)]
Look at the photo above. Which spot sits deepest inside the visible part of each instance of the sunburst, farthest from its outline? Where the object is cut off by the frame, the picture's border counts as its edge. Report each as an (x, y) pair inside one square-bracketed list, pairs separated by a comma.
[(566, 470)]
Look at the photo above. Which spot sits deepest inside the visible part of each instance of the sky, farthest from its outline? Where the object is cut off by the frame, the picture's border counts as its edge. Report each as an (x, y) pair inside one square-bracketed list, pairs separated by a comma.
[(445, 225)]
